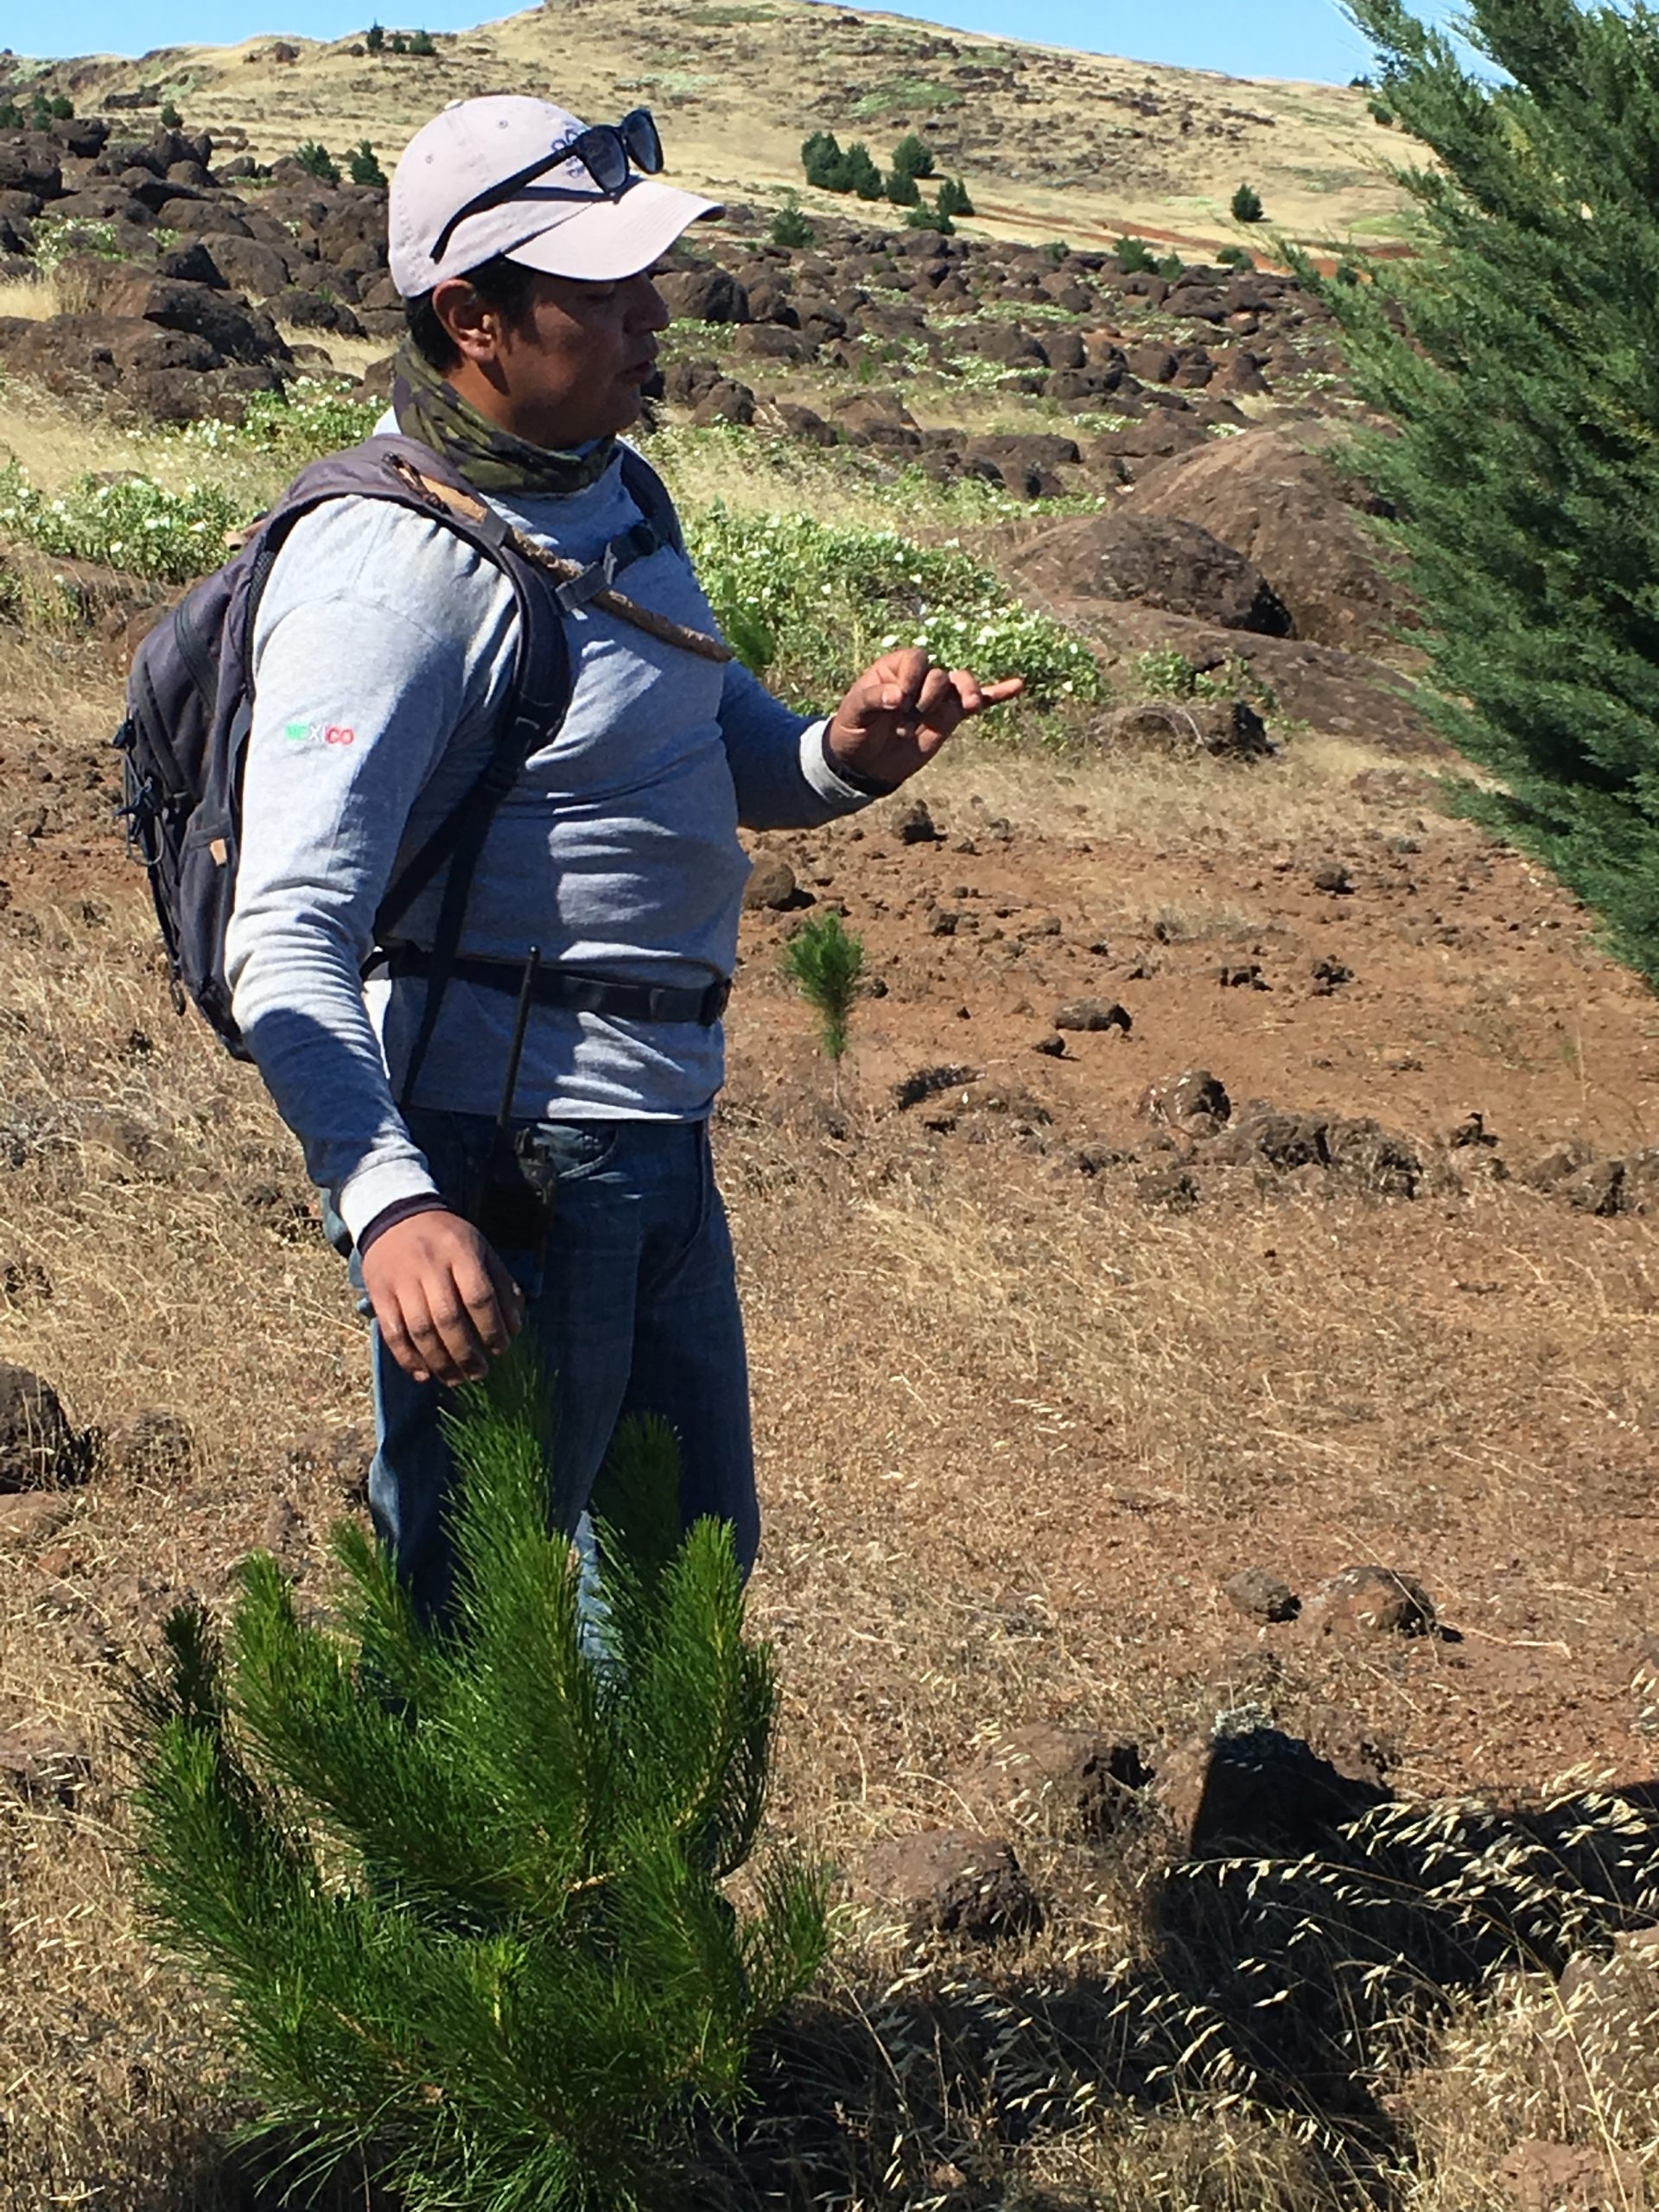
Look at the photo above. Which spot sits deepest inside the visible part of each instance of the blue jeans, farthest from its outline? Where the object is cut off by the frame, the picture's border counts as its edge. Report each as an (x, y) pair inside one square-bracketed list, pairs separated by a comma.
[(632, 1307)]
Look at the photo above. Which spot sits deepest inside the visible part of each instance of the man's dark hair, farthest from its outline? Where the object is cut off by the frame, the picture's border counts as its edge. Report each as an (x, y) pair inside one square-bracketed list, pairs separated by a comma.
[(502, 284)]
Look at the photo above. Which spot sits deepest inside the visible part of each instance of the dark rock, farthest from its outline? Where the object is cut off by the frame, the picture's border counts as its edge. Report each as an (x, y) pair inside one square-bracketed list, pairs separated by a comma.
[(1258, 1792), (1596, 1189), (1295, 515), (929, 1083), (306, 310), (954, 1882), (249, 264), (1093, 1014), (1335, 880), (1081, 1780), (1226, 729), (703, 296), (1373, 1601), (1196, 1102), (1166, 563), (1243, 976), (771, 884), (914, 825), (192, 265), (39, 1449), (806, 423), (1260, 1596), (1382, 1163), (1283, 1141), (727, 401), (1172, 1190), (155, 1445), (1330, 975), (770, 341)]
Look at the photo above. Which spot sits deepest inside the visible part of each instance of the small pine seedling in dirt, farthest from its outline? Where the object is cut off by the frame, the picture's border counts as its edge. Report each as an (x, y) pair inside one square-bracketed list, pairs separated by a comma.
[(824, 962), (462, 1885), (1247, 205)]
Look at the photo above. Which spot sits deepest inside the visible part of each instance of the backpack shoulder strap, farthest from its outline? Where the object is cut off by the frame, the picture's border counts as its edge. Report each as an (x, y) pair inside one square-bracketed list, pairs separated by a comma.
[(404, 471), (651, 495)]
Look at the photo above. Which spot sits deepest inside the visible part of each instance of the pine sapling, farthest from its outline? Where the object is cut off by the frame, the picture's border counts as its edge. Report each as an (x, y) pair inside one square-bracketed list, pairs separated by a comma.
[(825, 962), (462, 1885)]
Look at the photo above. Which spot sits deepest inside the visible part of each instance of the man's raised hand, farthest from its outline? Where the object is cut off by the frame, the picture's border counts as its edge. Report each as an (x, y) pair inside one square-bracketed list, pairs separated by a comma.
[(902, 709)]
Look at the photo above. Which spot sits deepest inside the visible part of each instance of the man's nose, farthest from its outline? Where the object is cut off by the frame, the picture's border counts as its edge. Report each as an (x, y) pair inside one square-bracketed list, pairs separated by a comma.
[(647, 309)]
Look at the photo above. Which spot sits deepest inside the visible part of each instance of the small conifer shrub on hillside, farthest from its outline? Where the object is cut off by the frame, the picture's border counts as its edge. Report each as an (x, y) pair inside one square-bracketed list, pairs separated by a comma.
[(862, 175), (1136, 258), (953, 197), (374, 38), (316, 160), (902, 188), (462, 1886), (361, 165), (824, 162), (913, 156), (790, 228), (1516, 358), (1247, 205)]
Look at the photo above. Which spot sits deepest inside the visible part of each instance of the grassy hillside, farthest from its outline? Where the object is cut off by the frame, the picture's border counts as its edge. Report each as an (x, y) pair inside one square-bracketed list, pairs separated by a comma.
[(1051, 143)]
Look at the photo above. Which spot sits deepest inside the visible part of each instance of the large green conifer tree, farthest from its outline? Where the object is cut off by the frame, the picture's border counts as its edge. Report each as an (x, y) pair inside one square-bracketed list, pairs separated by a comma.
[(1518, 357)]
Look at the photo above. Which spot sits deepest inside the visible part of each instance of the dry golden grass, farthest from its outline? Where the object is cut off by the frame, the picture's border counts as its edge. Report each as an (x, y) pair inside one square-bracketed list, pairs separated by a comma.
[(33, 297)]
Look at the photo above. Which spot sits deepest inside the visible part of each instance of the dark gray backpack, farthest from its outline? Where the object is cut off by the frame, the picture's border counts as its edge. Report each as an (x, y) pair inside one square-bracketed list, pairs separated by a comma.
[(189, 707)]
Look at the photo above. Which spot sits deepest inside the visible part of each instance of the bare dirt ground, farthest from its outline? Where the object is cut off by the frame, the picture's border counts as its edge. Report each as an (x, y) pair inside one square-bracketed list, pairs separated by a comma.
[(1052, 143)]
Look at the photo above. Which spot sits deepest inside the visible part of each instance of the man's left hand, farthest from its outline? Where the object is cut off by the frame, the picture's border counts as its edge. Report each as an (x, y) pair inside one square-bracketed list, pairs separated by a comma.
[(902, 709)]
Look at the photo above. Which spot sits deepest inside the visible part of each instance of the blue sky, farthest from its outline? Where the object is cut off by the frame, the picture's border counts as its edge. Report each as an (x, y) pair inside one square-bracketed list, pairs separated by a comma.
[(1262, 38)]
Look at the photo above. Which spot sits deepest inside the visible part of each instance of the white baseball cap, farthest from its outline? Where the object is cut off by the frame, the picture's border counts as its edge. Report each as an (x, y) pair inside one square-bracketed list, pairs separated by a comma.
[(560, 221)]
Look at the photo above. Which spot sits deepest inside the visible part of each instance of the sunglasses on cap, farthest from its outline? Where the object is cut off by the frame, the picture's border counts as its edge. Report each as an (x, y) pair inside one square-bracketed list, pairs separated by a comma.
[(610, 152)]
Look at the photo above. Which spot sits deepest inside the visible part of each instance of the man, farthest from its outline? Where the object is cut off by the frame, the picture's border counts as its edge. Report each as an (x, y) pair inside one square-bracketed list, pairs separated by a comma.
[(383, 654)]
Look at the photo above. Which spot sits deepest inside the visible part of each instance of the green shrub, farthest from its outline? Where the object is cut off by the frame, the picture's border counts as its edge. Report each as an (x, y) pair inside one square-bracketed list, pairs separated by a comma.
[(54, 238), (903, 189), (832, 600), (398, 43), (929, 219), (1235, 257), (374, 38), (863, 176), (11, 116), (421, 43), (1136, 258), (464, 1889), (136, 526), (824, 162), (60, 107), (1383, 113), (790, 228), (171, 119), (361, 165), (913, 156), (953, 197), (314, 160), (300, 424), (1247, 205), (1171, 267)]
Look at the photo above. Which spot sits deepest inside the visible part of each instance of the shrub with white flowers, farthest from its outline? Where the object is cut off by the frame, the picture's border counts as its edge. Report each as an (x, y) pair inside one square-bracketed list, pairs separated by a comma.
[(132, 524), (808, 603)]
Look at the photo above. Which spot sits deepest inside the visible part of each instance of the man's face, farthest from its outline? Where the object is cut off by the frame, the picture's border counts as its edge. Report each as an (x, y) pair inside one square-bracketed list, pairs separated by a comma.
[(571, 369)]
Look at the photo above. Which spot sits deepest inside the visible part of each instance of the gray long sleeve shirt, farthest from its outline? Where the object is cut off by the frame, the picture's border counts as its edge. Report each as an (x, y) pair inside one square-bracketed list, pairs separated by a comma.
[(382, 656)]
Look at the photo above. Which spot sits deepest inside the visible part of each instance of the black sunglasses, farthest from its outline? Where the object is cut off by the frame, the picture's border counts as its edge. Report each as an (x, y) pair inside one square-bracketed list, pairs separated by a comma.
[(610, 152)]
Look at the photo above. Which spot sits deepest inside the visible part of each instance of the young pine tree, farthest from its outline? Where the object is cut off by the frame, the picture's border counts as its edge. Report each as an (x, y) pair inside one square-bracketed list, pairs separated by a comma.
[(825, 962), (953, 197), (903, 190), (1247, 205), (461, 1886), (1518, 357)]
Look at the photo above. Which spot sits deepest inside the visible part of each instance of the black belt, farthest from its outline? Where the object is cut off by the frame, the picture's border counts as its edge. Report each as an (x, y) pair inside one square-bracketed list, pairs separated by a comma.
[(570, 988)]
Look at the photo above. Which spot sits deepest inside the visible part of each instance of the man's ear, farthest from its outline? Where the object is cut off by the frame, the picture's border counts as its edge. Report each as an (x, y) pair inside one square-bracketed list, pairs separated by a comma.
[(473, 325)]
